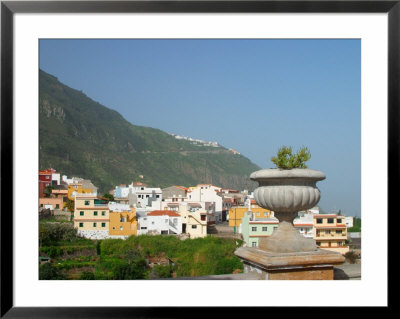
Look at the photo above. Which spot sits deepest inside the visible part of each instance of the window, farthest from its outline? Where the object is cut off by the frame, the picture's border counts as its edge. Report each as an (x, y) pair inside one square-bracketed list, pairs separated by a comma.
[(94, 224), (258, 214), (80, 224), (253, 244), (318, 232), (338, 231), (253, 228), (81, 213), (265, 229), (120, 228), (339, 220), (114, 228), (203, 217), (157, 196), (103, 213), (94, 213), (87, 202), (143, 227), (147, 196), (330, 220), (194, 226), (265, 214), (319, 220), (103, 224), (41, 205), (57, 205), (318, 243), (275, 228), (327, 232)]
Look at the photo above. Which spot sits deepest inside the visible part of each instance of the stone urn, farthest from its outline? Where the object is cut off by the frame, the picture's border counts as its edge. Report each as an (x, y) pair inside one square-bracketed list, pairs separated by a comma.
[(286, 192)]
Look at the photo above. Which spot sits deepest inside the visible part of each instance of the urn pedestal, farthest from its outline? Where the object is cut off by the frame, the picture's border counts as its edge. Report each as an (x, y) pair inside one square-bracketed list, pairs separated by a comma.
[(286, 254)]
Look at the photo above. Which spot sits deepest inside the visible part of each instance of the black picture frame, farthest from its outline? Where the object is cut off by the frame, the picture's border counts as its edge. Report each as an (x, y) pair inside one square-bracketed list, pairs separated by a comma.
[(9, 8)]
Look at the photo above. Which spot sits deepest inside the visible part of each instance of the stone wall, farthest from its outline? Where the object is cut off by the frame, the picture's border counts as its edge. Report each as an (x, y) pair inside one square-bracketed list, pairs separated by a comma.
[(98, 234)]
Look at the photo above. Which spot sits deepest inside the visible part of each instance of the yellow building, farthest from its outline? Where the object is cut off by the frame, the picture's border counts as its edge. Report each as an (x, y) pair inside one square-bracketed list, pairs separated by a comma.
[(194, 221), (330, 232), (123, 223), (80, 186), (91, 213), (236, 213)]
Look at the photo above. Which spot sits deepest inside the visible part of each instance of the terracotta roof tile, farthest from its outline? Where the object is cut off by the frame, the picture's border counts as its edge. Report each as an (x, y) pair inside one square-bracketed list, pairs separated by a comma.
[(170, 213)]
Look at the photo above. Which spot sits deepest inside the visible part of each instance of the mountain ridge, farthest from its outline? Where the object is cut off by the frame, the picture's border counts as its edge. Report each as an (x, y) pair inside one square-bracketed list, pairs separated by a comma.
[(81, 137)]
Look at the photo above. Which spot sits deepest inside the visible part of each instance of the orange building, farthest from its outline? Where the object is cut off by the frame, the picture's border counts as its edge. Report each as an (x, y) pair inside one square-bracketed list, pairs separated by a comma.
[(123, 223), (236, 213)]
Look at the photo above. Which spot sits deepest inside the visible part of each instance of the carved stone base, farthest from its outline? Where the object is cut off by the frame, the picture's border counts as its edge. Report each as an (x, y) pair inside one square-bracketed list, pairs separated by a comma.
[(287, 239), (315, 265)]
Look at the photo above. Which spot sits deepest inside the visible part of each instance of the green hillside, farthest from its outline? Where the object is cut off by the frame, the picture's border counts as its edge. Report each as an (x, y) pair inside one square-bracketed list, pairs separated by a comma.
[(80, 137)]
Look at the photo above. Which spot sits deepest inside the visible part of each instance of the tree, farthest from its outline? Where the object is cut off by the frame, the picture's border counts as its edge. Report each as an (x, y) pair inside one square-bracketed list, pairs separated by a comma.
[(108, 197), (132, 270), (48, 190), (70, 205), (49, 272)]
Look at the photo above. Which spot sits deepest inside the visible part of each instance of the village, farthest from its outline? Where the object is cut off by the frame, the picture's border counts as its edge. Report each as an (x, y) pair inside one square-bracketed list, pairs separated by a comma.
[(186, 212)]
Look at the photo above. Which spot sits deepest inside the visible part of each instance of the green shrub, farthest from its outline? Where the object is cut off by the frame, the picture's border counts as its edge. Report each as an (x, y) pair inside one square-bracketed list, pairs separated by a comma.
[(87, 275), (286, 160), (160, 271), (49, 272), (51, 234), (132, 270)]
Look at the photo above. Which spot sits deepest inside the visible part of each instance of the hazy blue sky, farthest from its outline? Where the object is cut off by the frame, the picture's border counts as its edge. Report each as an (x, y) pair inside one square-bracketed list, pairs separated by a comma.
[(250, 95)]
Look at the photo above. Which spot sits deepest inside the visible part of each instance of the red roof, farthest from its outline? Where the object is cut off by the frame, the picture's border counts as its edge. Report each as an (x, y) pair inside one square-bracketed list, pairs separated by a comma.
[(138, 184), (163, 212), (182, 187)]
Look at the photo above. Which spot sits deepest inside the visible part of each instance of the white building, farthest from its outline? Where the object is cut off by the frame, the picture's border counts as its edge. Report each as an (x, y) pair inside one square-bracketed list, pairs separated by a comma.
[(208, 194), (305, 224), (139, 195), (162, 222), (349, 221)]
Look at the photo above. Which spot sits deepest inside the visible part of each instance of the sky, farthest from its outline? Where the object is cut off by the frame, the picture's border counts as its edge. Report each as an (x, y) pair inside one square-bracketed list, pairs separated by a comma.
[(252, 95)]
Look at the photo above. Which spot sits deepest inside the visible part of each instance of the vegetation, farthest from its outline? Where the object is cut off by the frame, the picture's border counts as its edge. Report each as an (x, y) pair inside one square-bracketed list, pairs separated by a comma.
[(47, 191), (54, 233), (356, 226), (70, 205), (286, 160), (108, 196), (187, 258), (138, 257), (80, 137), (48, 272)]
